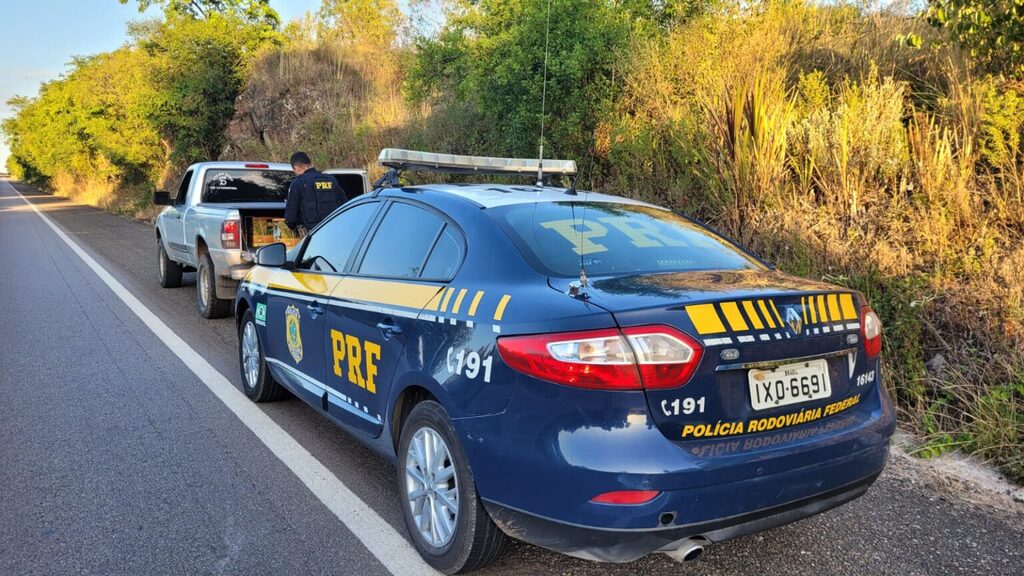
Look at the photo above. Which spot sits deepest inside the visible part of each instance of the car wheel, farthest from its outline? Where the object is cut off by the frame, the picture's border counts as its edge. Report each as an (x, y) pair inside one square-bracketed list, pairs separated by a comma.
[(442, 510), (170, 271), (206, 290), (257, 383)]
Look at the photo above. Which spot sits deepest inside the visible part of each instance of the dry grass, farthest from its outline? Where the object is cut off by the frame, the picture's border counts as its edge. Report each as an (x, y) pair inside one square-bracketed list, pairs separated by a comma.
[(820, 139)]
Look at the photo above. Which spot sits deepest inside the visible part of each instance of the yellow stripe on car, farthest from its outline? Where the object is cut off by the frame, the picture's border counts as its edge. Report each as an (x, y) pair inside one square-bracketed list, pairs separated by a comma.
[(499, 312), (405, 294), (752, 314), (776, 311), (475, 302), (833, 307), (846, 303), (822, 313), (767, 317), (458, 301), (733, 315), (705, 319), (447, 297)]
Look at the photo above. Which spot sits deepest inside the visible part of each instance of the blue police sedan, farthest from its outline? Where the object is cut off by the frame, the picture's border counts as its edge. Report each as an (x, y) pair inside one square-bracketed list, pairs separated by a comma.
[(595, 375)]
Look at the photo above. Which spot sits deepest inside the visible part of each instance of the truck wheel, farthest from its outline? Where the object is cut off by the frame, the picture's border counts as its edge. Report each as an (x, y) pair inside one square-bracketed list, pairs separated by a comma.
[(170, 271), (206, 290), (442, 510), (257, 383)]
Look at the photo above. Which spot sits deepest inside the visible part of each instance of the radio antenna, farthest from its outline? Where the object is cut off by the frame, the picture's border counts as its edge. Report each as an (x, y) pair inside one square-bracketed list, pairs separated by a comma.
[(544, 100)]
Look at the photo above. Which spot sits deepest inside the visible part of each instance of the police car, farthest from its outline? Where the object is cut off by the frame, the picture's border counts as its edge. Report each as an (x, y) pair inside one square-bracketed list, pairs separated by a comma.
[(592, 374)]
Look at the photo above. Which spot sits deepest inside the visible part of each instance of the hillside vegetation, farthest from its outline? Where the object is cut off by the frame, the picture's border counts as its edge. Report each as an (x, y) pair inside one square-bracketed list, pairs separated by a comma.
[(875, 148)]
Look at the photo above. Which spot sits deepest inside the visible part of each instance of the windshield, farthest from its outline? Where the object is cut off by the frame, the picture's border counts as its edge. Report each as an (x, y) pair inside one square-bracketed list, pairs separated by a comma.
[(612, 239), (226, 186)]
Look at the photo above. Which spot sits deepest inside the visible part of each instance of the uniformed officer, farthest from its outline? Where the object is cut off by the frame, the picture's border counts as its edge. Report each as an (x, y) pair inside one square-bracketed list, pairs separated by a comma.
[(312, 195)]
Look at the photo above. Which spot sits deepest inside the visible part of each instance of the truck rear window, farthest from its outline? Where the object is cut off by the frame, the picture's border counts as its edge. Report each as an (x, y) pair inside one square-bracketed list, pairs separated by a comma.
[(612, 239), (229, 186)]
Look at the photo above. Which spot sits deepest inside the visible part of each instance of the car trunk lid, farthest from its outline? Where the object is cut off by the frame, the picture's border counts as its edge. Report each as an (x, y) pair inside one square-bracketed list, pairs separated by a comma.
[(774, 324)]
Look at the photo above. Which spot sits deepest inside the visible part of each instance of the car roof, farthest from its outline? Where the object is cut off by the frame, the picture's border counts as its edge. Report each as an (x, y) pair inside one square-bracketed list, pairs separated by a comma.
[(248, 165), (495, 195)]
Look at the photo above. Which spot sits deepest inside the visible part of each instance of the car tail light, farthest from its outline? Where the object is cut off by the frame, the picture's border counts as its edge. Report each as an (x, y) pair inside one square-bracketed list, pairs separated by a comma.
[(256, 165), (667, 358), (626, 497), (590, 359), (871, 331), (609, 359), (229, 234)]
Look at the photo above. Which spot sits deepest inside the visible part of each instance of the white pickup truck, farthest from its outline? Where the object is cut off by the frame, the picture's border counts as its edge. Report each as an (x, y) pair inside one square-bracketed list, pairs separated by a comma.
[(223, 212)]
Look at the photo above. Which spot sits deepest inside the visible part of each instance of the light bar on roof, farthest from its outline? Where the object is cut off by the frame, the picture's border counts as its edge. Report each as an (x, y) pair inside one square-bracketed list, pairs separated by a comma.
[(453, 163)]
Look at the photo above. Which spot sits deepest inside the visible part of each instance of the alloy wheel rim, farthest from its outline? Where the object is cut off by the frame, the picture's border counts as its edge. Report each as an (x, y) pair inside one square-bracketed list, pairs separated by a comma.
[(202, 287), (432, 487), (250, 354)]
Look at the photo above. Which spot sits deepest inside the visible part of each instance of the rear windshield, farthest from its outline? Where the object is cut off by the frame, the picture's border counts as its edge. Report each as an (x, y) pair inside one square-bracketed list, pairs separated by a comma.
[(613, 239), (228, 186)]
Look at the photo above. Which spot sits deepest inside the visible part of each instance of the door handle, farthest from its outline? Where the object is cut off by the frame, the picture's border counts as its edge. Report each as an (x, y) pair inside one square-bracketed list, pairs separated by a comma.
[(315, 309), (388, 329)]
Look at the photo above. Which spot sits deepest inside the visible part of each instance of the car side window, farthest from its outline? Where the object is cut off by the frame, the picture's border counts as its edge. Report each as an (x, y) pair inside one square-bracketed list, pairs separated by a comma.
[(179, 198), (446, 256), (399, 247), (330, 246)]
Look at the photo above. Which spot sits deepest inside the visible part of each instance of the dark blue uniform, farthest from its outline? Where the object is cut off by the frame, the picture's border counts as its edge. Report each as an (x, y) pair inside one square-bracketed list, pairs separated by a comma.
[(311, 198)]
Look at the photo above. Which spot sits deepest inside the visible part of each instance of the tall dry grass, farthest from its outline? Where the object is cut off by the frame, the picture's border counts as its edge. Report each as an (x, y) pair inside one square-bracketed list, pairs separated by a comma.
[(341, 101), (821, 139)]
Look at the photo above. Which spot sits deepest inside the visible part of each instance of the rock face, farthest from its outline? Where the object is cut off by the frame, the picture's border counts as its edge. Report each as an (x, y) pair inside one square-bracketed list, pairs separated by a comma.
[(297, 97)]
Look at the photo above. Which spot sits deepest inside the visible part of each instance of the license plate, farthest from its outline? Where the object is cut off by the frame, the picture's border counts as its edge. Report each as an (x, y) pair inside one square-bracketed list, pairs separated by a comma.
[(789, 384)]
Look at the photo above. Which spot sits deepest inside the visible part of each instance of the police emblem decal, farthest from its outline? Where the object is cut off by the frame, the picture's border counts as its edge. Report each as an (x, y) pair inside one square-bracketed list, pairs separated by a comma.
[(294, 336), (794, 319)]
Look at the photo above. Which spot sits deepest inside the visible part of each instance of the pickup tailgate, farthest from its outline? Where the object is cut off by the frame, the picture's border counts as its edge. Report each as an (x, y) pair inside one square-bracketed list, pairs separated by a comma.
[(264, 225)]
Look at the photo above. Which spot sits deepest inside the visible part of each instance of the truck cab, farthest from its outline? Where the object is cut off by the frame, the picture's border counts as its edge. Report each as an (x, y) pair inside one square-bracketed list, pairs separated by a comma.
[(219, 215)]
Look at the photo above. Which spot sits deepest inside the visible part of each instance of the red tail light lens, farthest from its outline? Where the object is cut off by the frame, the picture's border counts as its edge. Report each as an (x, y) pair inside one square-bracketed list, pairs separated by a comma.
[(230, 237), (637, 357), (257, 165), (871, 331), (667, 358), (591, 359), (626, 497)]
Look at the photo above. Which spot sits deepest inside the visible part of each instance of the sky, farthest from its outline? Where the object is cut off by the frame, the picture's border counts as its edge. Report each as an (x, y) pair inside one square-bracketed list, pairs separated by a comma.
[(39, 37)]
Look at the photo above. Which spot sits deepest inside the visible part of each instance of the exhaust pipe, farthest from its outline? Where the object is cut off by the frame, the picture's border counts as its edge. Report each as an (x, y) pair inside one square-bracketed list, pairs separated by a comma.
[(688, 549)]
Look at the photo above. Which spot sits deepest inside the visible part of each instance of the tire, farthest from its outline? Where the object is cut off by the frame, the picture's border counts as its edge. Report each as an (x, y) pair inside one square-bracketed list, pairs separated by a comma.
[(257, 383), (169, 270), (206, 290), (475, 540)]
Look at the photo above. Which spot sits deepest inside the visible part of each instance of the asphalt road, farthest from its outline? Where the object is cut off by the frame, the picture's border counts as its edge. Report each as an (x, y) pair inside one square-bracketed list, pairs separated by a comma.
[(116, 459)]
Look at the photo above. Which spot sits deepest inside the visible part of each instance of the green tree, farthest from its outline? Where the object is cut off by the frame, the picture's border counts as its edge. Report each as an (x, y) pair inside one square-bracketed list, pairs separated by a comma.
[(256, 12), (119, 117), (490, 55), (199, 67), (92, 122), (368, 22), (992, 30)]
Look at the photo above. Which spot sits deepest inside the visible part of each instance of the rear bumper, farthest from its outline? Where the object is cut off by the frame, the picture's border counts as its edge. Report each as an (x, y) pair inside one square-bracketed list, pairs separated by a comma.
[(627, 545), (541, 487)]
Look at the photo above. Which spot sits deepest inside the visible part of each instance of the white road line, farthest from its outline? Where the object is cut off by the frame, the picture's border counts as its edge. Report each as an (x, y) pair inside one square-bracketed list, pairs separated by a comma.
[(387, 545)]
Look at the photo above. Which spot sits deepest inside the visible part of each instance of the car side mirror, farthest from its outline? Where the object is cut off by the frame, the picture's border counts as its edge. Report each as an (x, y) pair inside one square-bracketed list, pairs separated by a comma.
[(273, 255), (162, 198)]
